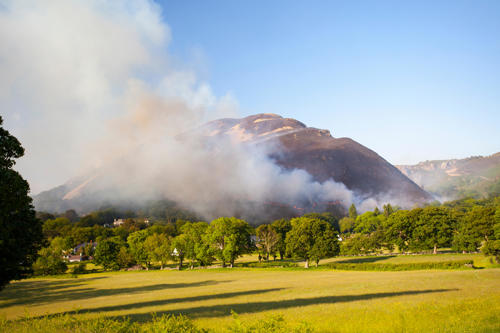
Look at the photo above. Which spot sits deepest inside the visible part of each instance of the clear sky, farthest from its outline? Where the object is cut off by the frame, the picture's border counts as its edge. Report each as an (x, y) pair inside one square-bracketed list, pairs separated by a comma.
[(411, 80)]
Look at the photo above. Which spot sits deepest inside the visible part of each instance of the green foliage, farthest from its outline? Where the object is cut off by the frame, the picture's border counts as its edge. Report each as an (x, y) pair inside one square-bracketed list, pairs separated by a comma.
[(368, 222), (56, 227), (432, 229), (106, 254), (327, 217), (311, 239), (195, 246), (136, 243), (267, 240), (156, 247), (21, 232), (388, 210), (50, 260), (346, 225), (475, 227), (353, 213), (363, 243), (399, 227), (229, 238), (282, 227), (179, 248), (80, 268), (456, 264), (271, 323), (124, 259)]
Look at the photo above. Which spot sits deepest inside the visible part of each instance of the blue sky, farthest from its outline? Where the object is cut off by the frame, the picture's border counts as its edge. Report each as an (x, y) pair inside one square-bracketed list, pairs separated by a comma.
[(412, 81)]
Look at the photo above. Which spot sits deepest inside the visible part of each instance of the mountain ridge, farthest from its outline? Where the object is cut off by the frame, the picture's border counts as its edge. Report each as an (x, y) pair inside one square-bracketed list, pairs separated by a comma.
[(289, 144)]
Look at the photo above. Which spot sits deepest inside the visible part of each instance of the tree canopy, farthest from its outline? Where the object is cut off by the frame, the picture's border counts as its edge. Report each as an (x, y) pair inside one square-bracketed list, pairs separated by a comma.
[(21, 231)]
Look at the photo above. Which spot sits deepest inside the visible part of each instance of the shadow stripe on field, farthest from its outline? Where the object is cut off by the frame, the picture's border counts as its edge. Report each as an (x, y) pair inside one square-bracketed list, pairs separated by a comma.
[(242, 308)]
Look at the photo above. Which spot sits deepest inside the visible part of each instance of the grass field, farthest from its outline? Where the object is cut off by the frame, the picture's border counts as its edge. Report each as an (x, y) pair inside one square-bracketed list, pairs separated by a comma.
[(330, 301)]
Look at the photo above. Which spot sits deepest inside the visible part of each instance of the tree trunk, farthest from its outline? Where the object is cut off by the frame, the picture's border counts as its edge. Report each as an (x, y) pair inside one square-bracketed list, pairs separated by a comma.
[(223, 264), (317, 263), (231, 265), (435, 249), (306, 264), (281, 255), (267, 257), (180, 263)]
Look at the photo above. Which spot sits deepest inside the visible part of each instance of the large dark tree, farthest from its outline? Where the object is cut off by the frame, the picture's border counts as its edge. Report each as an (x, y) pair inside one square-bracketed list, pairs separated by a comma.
[(20, 231)]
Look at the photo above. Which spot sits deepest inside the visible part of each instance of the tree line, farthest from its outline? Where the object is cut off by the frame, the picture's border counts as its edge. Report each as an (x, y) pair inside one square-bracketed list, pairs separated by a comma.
[(464, 226)]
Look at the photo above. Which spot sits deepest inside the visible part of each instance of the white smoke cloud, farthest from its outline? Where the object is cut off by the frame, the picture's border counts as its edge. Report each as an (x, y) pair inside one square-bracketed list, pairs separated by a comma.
[(91, 84), (67, 68)]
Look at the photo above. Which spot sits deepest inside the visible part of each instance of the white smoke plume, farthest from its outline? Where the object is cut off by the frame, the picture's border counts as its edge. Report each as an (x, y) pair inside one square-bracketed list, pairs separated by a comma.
[(90, 85)]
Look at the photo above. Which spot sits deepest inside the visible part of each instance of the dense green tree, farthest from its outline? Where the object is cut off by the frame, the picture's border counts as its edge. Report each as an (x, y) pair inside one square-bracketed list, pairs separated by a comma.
[(158, 249), (194, 232), (136, 243), (267, 239), (353, 213), (60, 226), (475, 227), (311, 239), (282, 227), (399, 227), (388, 210), (368, 222), (364, 243), (327, 217), (50, 260), (21, 231), (106, 254), (124, 258), (179, 248), (432, 229), (346, 225), (229, 238), (205, 254)]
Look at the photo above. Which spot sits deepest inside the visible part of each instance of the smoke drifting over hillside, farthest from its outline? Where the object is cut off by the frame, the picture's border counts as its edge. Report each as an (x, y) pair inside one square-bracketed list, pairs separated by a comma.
[(90, 89)]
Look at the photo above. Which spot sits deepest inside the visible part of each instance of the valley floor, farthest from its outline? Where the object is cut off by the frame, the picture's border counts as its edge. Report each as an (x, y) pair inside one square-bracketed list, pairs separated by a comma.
[(328, 300)]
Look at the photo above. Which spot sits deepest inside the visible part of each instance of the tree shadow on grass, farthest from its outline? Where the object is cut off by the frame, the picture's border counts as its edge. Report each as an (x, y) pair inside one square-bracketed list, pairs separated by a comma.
[(253, 307), (362, 260), (169, 301), (54, 291)]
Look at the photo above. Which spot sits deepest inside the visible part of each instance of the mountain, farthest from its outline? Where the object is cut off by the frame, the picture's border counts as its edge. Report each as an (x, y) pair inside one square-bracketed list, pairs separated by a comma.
[(296, 146), (477, 176), (289, 144)]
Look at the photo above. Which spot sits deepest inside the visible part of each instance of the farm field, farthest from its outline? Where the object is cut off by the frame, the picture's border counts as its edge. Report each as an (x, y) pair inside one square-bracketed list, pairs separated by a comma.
[(327, 300)]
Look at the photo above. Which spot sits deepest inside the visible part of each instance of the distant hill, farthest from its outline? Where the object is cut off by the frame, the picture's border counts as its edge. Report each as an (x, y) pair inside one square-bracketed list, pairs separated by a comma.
[(289, 143), (477, 176)]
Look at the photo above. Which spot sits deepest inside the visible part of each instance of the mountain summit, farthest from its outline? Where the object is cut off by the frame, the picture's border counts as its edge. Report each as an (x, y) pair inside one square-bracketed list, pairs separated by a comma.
[(293, 145), (336, 171)]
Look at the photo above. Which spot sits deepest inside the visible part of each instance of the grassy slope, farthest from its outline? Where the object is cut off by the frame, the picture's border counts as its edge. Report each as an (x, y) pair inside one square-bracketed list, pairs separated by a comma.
[(344, 301)]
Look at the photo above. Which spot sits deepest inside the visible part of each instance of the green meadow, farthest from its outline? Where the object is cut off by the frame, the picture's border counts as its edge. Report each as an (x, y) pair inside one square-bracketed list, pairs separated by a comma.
[(323, 300)]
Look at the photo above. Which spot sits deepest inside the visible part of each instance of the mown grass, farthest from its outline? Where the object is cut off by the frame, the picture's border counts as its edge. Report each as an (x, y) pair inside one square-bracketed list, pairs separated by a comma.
[(283, 299)]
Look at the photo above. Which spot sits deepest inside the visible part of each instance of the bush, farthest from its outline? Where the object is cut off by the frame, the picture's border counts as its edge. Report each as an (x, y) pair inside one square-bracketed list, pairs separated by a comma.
[(171, 324), (268, 264), (80, 268), (49, 262), (271, 323), (457, 264)]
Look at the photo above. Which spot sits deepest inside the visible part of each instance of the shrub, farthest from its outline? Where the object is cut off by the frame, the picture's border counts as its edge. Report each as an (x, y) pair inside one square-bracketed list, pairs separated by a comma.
[(457, 264)]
